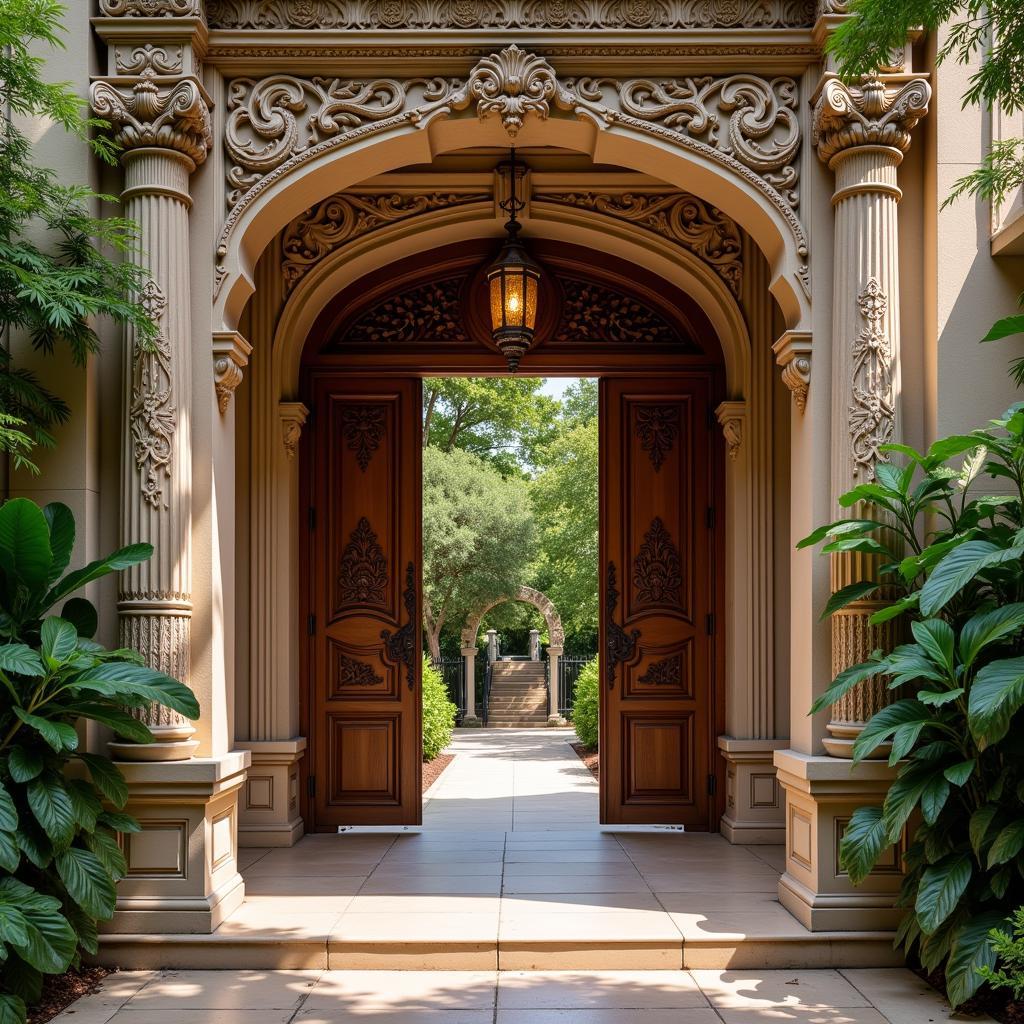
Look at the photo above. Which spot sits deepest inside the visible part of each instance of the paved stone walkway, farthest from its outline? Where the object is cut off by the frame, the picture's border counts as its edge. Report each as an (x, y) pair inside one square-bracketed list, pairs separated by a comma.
[(886, 996)]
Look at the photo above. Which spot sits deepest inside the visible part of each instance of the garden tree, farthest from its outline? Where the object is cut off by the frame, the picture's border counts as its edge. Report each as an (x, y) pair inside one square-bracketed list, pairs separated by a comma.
[(478, 538), (501, 419), (564, 497), (579, 403), (56, 275)]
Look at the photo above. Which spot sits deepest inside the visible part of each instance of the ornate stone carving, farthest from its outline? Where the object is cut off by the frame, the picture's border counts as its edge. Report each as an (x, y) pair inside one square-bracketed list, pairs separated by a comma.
[(352, 672), (150, 113), (152, 414), (543, 604), (731, 416), (293, 417), (401, 645), (657, 427), (363, 570), (230, 356), (619, 645), (658, 568), (758, 115), (429, 312), (745, 122), (667, 672), (161, 60), (793, 354), (873, 405), (363, 429), (390, 15), (593, 312), (874, 113), (682, 218), (151, 8), (347, 216)]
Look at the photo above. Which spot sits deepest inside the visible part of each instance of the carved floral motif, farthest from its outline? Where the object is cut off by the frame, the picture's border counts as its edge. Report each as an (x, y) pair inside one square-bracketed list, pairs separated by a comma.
[(682, 218), (363, 429), (873, 406), (152, 414), (363, 572), (593, 312), (162, 60), (346, 216), (667, 672), (352, 672), (508, 14), (152, 8), (657, 568), (657, 427), (429, 312)]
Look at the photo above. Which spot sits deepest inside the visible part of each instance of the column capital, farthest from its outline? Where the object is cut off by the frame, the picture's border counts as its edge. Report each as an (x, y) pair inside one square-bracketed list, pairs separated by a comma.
[(152, 111), (880, 110)]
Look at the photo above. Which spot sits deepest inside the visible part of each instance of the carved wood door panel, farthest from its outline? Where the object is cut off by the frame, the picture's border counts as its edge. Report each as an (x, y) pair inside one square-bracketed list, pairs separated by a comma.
[(658, 601), (365, 483)]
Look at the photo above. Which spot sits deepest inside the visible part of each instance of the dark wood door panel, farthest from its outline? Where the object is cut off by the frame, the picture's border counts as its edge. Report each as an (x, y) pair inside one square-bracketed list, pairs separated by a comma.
[(658, 701), (365, 485)]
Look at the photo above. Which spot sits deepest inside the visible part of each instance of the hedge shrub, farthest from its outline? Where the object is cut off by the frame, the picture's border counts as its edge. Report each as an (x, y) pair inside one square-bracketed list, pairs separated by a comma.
[(438, 713), (584, 704)]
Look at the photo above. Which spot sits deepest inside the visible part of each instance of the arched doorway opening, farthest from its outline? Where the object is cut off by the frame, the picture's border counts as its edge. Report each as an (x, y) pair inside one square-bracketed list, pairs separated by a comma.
[(662, 564)]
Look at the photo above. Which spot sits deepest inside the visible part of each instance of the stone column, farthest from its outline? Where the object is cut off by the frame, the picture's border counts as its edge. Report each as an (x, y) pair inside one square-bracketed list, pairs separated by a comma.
[(862, 132), (554, 713), (534, 645), (492, 645), (469, 664), (165, 132)]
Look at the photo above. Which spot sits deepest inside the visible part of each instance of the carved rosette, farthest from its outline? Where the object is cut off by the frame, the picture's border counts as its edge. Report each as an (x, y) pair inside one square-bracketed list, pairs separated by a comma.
[(151, 8)]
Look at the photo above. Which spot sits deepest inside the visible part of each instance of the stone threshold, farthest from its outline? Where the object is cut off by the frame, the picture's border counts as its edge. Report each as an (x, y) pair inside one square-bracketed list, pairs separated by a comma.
[(267, 952)]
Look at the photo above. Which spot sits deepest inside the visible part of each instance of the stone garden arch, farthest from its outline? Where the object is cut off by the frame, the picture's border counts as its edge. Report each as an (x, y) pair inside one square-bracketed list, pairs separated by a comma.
[(556, 646)]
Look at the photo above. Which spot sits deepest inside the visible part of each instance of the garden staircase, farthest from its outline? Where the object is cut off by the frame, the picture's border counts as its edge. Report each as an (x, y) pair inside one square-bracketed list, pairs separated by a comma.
[(519, 695)]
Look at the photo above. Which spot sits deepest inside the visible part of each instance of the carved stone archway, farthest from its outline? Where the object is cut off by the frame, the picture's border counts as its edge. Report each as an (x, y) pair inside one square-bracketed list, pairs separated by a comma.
[(556, 645)]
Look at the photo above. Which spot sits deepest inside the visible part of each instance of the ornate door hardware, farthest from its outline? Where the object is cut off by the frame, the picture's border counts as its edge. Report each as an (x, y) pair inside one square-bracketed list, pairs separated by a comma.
[(401, 646), (619, 645)]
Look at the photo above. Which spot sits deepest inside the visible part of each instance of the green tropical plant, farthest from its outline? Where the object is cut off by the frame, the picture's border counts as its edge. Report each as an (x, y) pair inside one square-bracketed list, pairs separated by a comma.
[(60, 808), (952, 561), (585, 704), (438, 713), (1009, 950)]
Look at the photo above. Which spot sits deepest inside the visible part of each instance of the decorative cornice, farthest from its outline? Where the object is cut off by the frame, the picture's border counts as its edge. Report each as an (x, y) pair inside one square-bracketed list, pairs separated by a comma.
[(731, 416), (230, 356), (881, 111), (680, 217), (793, 354), (151, 8), (348, 215), (150, 110), (419, 15), (744, 122), (293, 416)]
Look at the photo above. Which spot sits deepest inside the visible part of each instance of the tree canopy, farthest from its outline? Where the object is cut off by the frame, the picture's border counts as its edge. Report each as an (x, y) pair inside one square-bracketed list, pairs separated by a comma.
[(51, 291)]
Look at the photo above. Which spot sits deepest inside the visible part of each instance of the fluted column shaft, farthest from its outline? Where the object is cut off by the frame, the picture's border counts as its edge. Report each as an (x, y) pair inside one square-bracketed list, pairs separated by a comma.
[(862, 133)]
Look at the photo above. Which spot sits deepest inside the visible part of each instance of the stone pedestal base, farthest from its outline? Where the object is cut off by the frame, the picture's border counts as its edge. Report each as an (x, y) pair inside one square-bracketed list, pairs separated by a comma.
[(268, 811), (556, 721), (754, 805), (183, 866), (470, 723), (821, 795)]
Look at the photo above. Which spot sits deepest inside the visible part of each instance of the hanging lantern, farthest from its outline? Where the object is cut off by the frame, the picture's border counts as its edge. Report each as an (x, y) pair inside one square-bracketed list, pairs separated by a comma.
[(513, 280)]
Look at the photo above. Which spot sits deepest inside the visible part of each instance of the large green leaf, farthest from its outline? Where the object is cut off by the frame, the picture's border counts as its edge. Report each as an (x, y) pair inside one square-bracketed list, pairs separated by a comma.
[(12, 1009), (972, 950), (22, 659), (978, 826), (934, 797), (936, 639), (123, 724), (51, 943), (10, 855), (862, 844), (885, 722), (87, 882), (120, 822), (987, 628), (13, 926), (85, 802), (959, 773), (8, 812), (1007, 844), (51, 805), (846, 681), (116, 678), (904, 796), (24, 763), (107, 850), (59, 735), (25, 542), (941, 887), (1005, 328), (838, 529), (107, 778), (958, 568), (61, 523), (82, 615), (58, 640), (996, 695), (124, 558), (847, 595)]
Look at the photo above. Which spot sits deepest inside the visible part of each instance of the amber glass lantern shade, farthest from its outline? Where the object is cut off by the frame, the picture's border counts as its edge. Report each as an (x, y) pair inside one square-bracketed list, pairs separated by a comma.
[(513, 280)]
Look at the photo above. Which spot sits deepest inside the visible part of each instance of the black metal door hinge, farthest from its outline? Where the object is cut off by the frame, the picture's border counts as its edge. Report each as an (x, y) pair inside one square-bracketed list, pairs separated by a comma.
[(710, 625), (311, 625), (311, 785), (712, 784)]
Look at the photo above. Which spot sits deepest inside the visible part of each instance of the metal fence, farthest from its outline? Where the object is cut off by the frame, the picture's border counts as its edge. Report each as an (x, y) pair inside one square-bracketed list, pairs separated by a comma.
[(569, 669), (453, 672)]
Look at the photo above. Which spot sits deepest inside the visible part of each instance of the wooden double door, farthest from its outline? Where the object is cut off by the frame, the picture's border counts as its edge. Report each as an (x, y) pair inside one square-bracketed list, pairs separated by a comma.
[(659, 694)]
